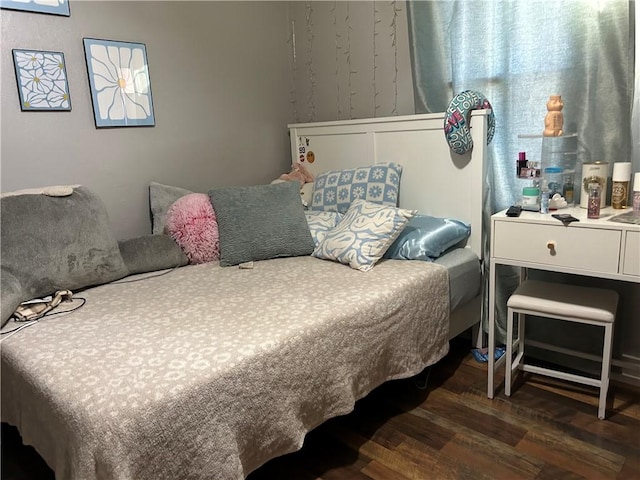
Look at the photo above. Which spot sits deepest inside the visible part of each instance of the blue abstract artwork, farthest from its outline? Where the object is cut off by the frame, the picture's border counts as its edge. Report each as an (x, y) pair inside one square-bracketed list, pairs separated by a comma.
[(42, 80), (120, 84), (54, 7)]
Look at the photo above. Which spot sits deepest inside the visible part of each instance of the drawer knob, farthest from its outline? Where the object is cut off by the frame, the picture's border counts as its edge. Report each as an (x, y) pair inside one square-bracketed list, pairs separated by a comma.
[(551, 245)]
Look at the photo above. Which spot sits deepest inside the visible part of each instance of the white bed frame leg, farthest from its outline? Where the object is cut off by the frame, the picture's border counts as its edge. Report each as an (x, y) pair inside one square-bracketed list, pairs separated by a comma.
[(477, 339)]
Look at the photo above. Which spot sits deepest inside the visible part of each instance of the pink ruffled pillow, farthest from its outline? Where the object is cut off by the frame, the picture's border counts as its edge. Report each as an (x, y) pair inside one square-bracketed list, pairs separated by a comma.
[(191, 222)]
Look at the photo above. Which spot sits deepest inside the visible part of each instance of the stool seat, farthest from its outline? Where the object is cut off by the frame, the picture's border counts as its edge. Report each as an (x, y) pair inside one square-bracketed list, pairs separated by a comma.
[(594, 306), (569, 301)]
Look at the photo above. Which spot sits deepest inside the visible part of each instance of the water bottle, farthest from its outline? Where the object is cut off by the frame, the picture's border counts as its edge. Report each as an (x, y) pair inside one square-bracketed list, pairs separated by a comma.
[(544, 198)]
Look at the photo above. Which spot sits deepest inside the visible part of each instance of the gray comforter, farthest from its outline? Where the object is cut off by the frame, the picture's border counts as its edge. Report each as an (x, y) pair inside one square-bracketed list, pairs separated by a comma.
[(208, 372)]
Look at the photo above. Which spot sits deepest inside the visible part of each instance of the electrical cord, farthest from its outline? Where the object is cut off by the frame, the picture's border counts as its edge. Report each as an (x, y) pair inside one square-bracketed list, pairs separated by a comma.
[(422, 384), (16, 330), (166, 272), (45, 315), (50, 313)]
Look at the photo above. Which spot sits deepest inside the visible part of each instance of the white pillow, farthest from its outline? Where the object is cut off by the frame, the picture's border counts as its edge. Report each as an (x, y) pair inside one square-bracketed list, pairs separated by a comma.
[(363, 236), (320, 223)]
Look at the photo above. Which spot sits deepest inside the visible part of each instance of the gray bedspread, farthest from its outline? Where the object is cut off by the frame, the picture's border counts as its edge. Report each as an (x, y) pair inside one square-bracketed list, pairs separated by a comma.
[(208, 372)]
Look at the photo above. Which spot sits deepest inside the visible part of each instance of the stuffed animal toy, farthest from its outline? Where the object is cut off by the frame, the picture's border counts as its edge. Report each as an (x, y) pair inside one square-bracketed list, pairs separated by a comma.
[(298, 173)]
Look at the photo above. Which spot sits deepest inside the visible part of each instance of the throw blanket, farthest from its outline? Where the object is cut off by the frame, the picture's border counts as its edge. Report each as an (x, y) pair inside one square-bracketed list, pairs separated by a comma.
[(208, 372)]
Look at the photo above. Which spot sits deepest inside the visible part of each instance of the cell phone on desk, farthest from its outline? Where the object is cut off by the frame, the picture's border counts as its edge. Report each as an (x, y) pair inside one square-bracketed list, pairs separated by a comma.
[(565, 218), (514, 211)]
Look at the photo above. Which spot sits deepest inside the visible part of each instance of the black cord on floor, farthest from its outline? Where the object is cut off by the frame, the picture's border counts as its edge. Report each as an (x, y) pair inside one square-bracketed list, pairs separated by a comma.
[(422, 385)]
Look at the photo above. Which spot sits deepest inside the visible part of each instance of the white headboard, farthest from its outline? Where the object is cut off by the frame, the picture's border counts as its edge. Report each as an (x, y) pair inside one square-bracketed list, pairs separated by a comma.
[(435, 181)]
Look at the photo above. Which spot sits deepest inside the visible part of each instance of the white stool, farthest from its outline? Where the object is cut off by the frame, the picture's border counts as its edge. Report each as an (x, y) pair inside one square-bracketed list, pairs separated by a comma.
[(593, 306)]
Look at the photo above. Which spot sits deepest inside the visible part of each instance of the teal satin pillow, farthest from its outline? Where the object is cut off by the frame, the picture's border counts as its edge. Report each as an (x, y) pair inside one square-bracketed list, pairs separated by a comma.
[(426, 238)]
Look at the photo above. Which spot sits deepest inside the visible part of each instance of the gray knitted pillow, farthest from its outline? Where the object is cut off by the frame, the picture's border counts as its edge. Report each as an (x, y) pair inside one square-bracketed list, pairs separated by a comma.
[(260, 222)]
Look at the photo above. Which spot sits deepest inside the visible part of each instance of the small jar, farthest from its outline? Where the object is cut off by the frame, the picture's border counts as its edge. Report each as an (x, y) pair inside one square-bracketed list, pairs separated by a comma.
[(531, 199), (593, 202), (553, 175)]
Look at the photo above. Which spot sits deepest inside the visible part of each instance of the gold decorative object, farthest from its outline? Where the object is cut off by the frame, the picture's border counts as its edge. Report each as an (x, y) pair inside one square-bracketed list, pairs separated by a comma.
[(554, 119)]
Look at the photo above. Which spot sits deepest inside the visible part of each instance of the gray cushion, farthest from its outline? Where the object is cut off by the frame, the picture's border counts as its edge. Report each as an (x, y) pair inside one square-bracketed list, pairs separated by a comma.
[(12, 295), (260, 222), (161, 197), (55, 243), (150, 253)]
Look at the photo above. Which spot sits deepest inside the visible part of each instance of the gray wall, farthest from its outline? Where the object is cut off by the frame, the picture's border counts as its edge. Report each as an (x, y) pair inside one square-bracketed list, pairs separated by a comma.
[(352, 60), (221, 97), (224, 83)]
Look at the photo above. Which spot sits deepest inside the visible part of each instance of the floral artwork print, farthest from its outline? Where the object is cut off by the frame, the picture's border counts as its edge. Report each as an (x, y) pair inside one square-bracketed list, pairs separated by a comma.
[(54, 7), (42, 80), (120, 85)]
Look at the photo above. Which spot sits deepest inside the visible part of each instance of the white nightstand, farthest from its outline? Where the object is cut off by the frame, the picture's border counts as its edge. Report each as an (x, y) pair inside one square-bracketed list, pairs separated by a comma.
[(598, 248)]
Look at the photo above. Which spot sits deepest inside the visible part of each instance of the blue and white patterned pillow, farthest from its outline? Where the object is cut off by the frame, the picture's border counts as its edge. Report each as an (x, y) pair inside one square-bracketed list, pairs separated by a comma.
[(320, 223), (335, 190), (364, 234)]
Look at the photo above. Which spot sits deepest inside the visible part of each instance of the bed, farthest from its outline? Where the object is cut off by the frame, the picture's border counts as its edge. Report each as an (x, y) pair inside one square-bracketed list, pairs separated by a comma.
[(207, 371), (417, 143)]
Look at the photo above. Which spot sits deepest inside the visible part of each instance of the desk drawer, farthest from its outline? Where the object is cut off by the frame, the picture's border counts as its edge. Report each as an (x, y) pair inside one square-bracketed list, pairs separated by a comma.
[(631, 262), (580, 248)]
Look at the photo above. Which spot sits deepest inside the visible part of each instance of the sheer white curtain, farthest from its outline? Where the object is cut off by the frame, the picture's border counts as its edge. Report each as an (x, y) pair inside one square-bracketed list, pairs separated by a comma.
[(518, 53)]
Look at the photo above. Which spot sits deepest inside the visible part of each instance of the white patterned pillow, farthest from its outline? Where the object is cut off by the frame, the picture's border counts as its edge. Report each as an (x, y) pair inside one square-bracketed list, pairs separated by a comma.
[(320, 223), (335, 190), (364, 234)]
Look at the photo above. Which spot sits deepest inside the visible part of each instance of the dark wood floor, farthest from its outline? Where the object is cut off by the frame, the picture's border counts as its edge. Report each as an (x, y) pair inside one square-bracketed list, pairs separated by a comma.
[(450, 430)]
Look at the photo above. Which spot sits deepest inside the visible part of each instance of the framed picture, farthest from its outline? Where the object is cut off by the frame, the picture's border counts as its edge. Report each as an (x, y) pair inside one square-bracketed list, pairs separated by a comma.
[(42, 80), (54, 7), (119, 82)]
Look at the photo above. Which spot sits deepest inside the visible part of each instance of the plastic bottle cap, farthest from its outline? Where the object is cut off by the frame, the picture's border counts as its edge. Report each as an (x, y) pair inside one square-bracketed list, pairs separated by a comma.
[(553, 170), (621, 171), (531, 191)]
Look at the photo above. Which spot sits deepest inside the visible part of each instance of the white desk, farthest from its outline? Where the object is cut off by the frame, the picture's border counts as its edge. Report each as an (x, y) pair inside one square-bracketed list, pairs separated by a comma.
[(598, 248)]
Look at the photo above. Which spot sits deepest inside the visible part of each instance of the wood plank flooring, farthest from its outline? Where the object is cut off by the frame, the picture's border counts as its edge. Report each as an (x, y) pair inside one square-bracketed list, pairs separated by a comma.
[(449, 430)]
